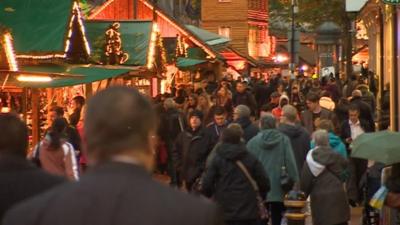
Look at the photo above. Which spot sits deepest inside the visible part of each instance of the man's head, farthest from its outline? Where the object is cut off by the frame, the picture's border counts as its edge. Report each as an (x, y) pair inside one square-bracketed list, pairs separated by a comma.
[(321, 138), (267, 108), (54, 113), (241, 87), (219, 116), (78, 102), (169, 103), (195, 118), (232, 134), (356, 93), (120, 121), (275, 96), (14, 138), (326, 125), (354, 113), (267, 122), (312, 101), (241, 111), (289, 114)]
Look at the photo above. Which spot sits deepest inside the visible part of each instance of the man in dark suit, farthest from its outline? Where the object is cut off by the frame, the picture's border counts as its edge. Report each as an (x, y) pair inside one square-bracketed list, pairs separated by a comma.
[(19, 179), (119, 188), (351, 129)]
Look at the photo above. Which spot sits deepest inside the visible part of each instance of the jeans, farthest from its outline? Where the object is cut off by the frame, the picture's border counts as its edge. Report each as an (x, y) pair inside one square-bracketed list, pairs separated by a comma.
[(276, 209)]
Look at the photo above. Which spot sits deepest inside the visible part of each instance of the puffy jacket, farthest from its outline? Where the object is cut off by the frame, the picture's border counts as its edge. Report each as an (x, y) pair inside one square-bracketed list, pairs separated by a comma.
[(230, 187)]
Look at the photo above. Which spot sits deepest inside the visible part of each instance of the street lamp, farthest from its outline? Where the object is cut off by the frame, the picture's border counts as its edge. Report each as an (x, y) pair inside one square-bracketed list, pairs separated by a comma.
[(294, 10)]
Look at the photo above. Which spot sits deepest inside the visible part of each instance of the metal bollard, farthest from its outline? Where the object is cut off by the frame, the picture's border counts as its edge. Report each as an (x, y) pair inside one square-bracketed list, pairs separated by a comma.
[(295, 201)]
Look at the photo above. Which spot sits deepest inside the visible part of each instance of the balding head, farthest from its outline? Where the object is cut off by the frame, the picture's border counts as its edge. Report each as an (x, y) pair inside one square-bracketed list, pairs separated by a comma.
[(321, 138), (289, 113), (241, 111), (119, 121), (356, 93)]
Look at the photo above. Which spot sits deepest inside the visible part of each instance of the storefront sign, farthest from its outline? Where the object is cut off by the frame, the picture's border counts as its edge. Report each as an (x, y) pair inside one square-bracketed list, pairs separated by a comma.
[(393, 2)]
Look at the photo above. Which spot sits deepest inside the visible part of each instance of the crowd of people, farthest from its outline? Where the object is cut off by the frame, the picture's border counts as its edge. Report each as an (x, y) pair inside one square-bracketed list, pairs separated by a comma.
[(242, 143)]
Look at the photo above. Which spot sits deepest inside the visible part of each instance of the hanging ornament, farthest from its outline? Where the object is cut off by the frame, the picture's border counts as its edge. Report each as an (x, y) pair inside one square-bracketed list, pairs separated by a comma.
[(113, 49)]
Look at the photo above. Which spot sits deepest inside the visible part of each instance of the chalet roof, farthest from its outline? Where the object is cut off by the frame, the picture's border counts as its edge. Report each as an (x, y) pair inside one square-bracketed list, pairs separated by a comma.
[(207, 36), (40, 27), (135, 38)]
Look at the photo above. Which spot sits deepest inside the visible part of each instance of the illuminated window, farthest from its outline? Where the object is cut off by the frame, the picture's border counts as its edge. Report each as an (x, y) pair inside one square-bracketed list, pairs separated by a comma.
[(224, 31)]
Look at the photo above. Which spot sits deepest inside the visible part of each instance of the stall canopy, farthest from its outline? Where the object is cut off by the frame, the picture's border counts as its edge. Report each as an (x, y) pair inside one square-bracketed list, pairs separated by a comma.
[(84, 74), (135, 39), (41, 27), (208, 37), (186, 63)]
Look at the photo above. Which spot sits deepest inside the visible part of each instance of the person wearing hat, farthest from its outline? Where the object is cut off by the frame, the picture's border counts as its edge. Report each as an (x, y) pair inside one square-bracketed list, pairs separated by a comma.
[(191, 150)]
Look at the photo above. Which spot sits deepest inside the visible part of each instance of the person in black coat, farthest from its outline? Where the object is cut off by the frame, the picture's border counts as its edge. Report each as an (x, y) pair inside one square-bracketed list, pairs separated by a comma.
[(241, 115), (227, 183), (118, 189), (298, 135), (244, 97), (19, 179), (365, 109), (191, 150), (214, 129)]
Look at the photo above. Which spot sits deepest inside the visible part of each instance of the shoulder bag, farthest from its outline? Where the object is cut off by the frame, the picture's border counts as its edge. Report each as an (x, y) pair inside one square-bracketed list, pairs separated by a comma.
[(262, 210)]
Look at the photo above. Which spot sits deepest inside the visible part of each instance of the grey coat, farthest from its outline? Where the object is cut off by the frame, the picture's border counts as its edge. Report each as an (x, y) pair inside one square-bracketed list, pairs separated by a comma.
[(321, 180)]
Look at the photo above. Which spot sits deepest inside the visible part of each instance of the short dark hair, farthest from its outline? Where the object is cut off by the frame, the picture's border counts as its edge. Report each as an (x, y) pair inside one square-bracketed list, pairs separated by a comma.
[(79, 99), (312, 97), (14, 138), (232, 134), (354, 107), (219, 111), (325, 94), (118, 119), (58, 110)]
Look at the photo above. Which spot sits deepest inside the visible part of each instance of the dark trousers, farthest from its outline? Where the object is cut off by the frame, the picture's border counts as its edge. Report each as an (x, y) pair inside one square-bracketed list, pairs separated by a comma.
[(243, 222), (276, 209), (343, 223)]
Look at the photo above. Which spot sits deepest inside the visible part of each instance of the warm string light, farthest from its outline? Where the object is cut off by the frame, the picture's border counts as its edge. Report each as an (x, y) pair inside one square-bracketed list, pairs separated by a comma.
[(35, 79), (181, 30), (152, 46), (82, 28), (50, 56), (114, 44), (9, 49)]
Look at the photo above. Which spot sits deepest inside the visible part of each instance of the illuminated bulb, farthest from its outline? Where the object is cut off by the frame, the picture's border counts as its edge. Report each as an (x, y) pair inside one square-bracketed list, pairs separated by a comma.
[(38, 79), (10, 52), (304, 68)]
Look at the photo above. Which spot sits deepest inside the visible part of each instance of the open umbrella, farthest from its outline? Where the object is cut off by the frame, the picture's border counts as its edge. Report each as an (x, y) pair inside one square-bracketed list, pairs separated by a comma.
[(383, 146)]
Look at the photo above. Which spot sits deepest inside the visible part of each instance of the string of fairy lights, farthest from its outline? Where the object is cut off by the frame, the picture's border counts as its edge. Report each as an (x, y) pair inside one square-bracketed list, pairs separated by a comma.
[(114, 45)]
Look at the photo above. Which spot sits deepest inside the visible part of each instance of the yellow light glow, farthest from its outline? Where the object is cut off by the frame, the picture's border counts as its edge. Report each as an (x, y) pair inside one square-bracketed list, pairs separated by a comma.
[(38, 79), (12, 62), (82, 28), (153, 39), (41, 56), (101, 9)]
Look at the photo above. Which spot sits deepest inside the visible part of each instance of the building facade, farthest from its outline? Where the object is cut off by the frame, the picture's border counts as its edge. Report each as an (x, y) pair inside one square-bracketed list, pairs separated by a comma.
[(245, 22)]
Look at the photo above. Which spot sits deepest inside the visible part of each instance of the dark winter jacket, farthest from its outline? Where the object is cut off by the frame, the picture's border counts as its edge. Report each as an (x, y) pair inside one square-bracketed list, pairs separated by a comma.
[(308, 122), (247, 99), (365, 111), (214, 132), (249, 129), (114, 193), (190, 153), (19, 180), (321, 179), (300, 140), (230, 187), (173, 123)]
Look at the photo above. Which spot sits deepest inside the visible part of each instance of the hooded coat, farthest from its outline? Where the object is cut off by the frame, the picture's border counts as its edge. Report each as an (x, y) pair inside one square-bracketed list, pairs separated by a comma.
[(300, 140), (336, 144), (320, 179), (230, 187), (277, 112), (273, 149)]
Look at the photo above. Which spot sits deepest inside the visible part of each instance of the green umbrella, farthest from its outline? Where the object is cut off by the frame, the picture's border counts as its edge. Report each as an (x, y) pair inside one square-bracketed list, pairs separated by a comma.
[(383, 146)]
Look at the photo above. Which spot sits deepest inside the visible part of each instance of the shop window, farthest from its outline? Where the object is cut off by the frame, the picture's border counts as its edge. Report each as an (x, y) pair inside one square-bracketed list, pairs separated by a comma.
[(224, 31)]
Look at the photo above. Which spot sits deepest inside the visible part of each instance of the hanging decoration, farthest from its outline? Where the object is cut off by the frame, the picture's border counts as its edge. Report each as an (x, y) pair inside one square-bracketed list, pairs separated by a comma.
[(113, 49), (181, 47), (9, 50)]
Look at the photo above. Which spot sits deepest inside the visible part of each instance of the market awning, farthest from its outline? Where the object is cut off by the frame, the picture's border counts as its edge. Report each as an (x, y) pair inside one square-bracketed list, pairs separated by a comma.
[(135, 39), (39, 27), (186, 63), (84, 75), (208, 37)]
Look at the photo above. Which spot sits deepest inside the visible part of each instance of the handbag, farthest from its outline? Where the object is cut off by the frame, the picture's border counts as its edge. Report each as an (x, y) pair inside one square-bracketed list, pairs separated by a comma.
[(286, 181), (262, 210)]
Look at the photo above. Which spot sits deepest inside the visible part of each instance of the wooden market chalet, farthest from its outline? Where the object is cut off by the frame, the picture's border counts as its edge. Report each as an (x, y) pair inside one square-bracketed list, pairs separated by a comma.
[(49, 59), (188, 47)]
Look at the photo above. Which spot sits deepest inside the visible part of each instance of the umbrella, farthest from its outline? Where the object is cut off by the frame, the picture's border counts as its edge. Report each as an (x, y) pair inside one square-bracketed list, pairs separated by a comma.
[(383, 146)]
